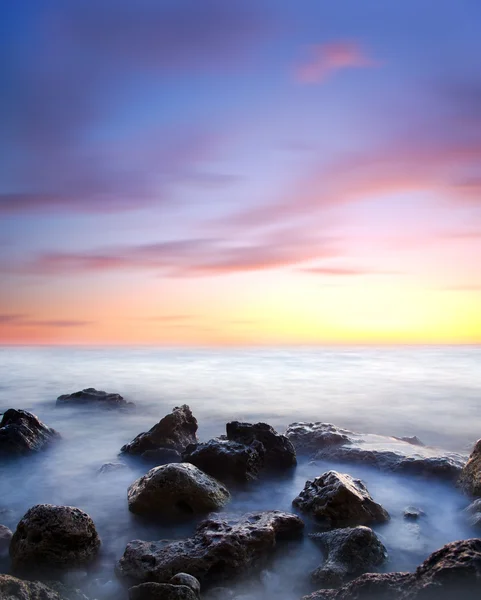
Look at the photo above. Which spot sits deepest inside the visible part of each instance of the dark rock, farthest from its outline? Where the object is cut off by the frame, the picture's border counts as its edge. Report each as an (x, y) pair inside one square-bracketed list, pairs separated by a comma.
[(161, 591), (66, 592), (5, 538), (473, 511), (176, 490), (338, 500), (413, 513), (221, 547), (93, 397), (414, 440), (112, 468), (324, 441), (226, 460), (12, 588), (175, 431), (279, 450), (22, 432), (470, 478), (162, 456), (53, 537), (349, 552), (450, 573), (187, 580)]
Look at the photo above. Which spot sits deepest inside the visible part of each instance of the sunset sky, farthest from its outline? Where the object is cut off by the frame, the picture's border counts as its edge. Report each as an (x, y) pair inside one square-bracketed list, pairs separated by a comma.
[(222, 172)]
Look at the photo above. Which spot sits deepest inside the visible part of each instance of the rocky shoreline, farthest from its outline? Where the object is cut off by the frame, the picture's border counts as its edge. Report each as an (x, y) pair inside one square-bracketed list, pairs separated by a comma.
[(186, 479)]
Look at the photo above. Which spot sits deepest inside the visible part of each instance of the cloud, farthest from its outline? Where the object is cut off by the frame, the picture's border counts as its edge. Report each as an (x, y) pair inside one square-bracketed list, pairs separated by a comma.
[(171, 318), (323, 60), (344, 271), (25, 321), (11, 319)]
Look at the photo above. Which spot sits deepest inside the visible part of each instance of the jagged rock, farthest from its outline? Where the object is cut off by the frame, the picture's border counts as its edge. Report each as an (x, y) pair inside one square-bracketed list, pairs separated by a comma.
[(324, 441), (226, 460), (338, 500), (175, 490), (93, 397), (22, 432), (221, 547), (53, 537), (112, 468), (473, 511), (187, 580), (413, 513), (12, 588), (175, 431), (279, 450), (349, 552), (452, 572), (5, 538), (470, 478), (161, 591)]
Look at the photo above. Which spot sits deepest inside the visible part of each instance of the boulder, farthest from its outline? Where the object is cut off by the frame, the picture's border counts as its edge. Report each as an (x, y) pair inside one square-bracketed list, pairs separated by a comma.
[(175, 431), (222, 547), (412, 513), (324, 441), (452, 572), (338, 500), (226, 460), (188, 580), (93, 397), (112, 467), (470, 478), (12, 588), (5, 538), (473, 512), (53, 537), (176, 490), (348, 552), (279, 450), (161, 591), (22, 432)]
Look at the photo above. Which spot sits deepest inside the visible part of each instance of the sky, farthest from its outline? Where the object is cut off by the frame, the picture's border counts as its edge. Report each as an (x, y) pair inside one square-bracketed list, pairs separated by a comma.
[(242, 172)]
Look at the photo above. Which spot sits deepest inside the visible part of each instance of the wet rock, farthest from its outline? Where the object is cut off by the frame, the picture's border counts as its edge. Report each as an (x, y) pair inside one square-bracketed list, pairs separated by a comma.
[(226, 460), (349, 552), (470, 478), (12, 588), (187, 580), (161, 591), (162, 456), (5, 538), (221, 547), (176, 490), (473, 512), (65, 591), (112, 468), (338, 500), (324, 441), (412, 513), (22, 432), (93, 397), (279, 450), (452, 572), (53, 537), (175, 431)]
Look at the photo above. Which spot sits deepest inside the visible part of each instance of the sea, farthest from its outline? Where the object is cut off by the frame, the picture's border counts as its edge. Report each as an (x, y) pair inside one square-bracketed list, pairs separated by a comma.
[(431, 392)]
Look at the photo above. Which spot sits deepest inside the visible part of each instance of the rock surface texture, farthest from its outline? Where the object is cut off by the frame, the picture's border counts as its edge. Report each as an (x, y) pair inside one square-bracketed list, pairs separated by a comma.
[(161, 591), (338, 500), (175, 431), (176, 490), (93, 397), (12, 588), (279, 450), (470, 478), (22, 432), (350, 551), (221, 547), (54, 537), (451, 573), (325, 441)]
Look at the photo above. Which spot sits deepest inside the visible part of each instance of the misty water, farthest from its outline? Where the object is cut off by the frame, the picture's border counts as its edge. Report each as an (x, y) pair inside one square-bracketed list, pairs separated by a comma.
[(434, 393)]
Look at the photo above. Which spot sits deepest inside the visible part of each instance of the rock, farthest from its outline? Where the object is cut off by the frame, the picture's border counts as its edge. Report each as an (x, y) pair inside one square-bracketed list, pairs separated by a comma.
[(452, 572), (112, 468), (93, 397), (279, 450), (53, 537), (414, 440), (66, 592), (12, 588), (226, 460), (473, 511), (324, 441), (413, 513), (221, 547), (338, 500), (470, 478), (22, 432), (187, 580), (5, 538), (162, 456), (176, 490), (349, 551), (175, 431), (161, 591)]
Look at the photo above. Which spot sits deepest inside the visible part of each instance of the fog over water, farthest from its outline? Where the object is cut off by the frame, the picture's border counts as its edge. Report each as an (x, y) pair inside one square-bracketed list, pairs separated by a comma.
[(434, 393)]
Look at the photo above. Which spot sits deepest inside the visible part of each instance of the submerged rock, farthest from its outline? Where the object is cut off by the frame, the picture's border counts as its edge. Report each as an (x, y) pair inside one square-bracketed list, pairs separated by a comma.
[(161, 591), (279, 450), (338, 500), (112, 467), (470, 478), (221, 547), (53, 537), (22, 432), (93, 397), (413, 513), (349, 552), (473, 511), (174, 490), (325, 441), (452, 572), (12, 588), (175, 432), (5, 538), (226, 460)]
